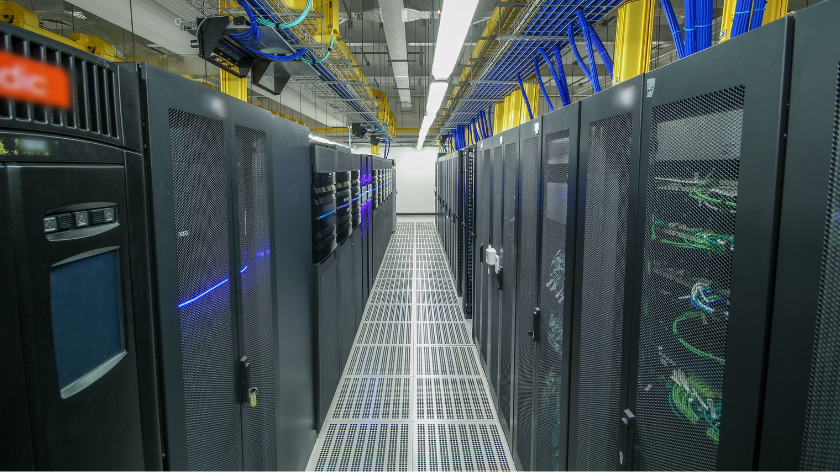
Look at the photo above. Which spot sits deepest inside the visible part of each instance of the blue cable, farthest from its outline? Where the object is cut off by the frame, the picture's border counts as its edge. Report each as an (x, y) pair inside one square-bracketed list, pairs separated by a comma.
[(588, 73), (596, 40), (757, 14), (690, 16), (741, 20), (674, 26), (561, 76), (539, 80), (524, 96), (590, 56), (560, 83)]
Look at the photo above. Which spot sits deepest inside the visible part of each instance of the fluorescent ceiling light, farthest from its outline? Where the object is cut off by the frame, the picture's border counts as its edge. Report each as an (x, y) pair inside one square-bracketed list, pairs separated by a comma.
[(455, 19), (437, 90), (427, 122)]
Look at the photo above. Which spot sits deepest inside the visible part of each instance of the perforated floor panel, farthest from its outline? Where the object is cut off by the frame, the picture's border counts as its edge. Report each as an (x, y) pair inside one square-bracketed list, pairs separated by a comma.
[(413, 395)]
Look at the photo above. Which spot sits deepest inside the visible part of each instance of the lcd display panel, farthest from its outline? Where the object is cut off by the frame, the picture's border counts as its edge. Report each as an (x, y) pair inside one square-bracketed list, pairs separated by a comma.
[(86, 319)]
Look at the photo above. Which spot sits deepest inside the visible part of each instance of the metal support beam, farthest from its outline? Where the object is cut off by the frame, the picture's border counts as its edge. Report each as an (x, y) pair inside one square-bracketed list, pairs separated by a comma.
[(346, 100)]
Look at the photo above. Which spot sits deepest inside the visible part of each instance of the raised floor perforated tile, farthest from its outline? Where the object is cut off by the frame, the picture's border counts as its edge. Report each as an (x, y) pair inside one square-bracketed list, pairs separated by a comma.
[(388, 313), (442, 333), (453, 398), (447, 360), (461, 446), (413, 395), (384, 333), (378, 398)]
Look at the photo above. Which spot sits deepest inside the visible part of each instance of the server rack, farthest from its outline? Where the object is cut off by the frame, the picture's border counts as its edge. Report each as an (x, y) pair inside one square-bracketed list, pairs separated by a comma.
[(325, 277), (610, 130), (702, 187), (297, 340), (207, 165), (494, 280), (484, 225), (365, 234), (799, 430), (553, 330), (468, 232), (344, 256), (359, 298), (72, 198), (524, 309)]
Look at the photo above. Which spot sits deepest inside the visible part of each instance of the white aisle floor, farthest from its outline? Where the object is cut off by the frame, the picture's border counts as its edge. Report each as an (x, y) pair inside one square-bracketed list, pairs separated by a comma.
[(413, 395)]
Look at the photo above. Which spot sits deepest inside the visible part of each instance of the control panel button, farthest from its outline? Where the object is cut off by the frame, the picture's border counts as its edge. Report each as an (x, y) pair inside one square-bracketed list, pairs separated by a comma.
[(109, 214), (81, 219), (50, 224)]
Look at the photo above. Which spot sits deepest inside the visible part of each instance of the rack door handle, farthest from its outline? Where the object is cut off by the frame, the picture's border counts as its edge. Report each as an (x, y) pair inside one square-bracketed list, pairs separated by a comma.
[(535, 334), (628, 426)]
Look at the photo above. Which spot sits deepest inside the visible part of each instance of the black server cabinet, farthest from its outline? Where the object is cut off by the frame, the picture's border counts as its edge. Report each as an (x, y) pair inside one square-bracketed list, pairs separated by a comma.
[(484, 219), (344, 255), (364, 167), (325, 277), (356, 240), (610, 129), (211, 200), (79, 388), (559, 191), (493, 281), (524, 308), (800, 420), (712, 137), (468, 235), (506, 278), (296, 335)]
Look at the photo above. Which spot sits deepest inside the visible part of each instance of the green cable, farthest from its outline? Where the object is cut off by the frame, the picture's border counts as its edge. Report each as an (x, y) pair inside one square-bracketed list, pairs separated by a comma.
[(686, 316), (329, 50), (698, 195), (291, 23)]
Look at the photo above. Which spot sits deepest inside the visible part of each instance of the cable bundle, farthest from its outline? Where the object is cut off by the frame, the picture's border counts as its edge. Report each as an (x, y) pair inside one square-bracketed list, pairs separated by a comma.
[(741, 20), (524, 96), (253, 36), (593, 77), (757, 14), (542, 86)]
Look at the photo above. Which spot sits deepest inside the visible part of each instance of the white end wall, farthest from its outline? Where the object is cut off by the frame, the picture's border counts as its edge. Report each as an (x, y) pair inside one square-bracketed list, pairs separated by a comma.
[(415, 179)]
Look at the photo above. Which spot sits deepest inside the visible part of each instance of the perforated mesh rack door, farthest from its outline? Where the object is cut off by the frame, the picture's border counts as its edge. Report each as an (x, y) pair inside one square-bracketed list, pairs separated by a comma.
[(555, 195), (509, 253), (199, 184), (526, 297), (821, 442), (95, 112), (493, 345), (602, 292), (256, 302), (692, 191)]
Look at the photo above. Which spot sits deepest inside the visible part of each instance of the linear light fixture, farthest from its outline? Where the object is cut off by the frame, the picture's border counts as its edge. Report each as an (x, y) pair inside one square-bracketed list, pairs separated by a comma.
[(455, 20), (437, 91), (313, 137)]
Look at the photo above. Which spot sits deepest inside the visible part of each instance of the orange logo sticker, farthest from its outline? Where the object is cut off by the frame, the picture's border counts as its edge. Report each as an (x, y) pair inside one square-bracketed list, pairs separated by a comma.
[(27, 80)]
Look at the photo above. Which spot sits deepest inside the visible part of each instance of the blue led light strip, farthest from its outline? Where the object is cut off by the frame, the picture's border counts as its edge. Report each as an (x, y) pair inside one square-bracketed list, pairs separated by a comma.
[(205, 293), (342, 206), (326, 214), (243, 270)]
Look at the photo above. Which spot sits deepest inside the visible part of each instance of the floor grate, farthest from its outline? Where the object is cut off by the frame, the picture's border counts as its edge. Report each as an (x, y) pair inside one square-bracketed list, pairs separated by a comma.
[(390, 297), (439, 313), (392, 284), (395, 274), (465, 446), (366, 446), (447, 360), (432, 274), (379, 360), (384, 333), (442, 333), (388, 313), (376, 398), (413, 395), (435, 284), (437, 297), (453, 398)]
